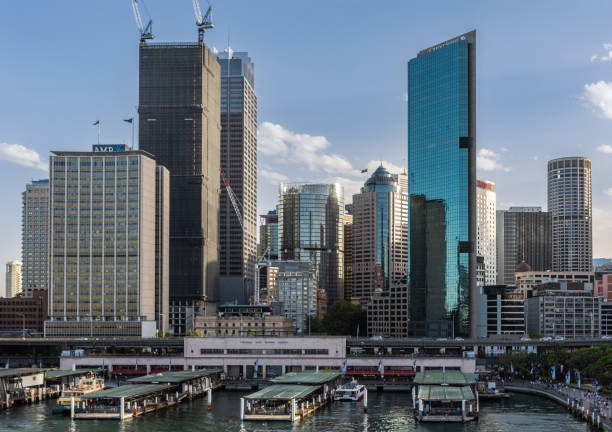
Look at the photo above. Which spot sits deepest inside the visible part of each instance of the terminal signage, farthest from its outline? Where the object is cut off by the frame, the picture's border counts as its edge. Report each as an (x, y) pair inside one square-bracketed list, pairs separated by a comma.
[(106, 148)]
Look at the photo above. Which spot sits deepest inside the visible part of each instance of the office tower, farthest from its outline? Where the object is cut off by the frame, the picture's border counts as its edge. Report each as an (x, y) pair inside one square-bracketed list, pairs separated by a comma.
[(310, 219), (348, 256), (442, 185), (268, 234), (34, 236), (485, 244), (526, 280), (179, 123), (569, 201), (298, 291), (523, 236), (108, 244), (238, 245), (13, 279)]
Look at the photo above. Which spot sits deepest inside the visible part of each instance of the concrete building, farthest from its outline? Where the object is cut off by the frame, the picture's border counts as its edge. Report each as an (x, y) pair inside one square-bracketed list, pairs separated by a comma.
[(442, 176), (564, 309), (527, 281), (348, 256), (238, 244), (108, 243), (570, 202), (504, 310), (524, 235), (268, 234), (245, 320), (35, 236), (603, 281), (606, 318), (179, 123), (486, 229), (24, 314), (13, 279), (310, 229)]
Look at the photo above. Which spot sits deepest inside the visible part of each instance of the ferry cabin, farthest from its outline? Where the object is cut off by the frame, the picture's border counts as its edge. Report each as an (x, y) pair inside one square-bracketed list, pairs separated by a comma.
[(434, 403)]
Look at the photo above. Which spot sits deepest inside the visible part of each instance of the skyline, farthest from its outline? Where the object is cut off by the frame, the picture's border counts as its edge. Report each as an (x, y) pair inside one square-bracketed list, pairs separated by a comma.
[(536, 104)]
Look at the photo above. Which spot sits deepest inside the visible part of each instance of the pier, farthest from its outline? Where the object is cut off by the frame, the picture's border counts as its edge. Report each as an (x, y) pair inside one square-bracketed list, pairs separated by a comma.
[(147, 394), (22, 385), (292, 396)]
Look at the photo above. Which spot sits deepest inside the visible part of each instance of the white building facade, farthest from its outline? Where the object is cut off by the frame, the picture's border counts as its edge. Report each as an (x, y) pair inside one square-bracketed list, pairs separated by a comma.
[(486, 223)]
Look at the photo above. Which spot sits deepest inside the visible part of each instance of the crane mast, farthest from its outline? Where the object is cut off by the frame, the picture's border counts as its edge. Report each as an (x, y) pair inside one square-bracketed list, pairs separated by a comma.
[(203, 22), (145, 31)]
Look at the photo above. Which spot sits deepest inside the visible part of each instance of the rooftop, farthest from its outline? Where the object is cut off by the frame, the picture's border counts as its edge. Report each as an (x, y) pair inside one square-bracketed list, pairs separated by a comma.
[(282, 392), (55, 374), (130, 390), (445, 393), (175, 377), (320, 377), (20, 372), (449, 377)]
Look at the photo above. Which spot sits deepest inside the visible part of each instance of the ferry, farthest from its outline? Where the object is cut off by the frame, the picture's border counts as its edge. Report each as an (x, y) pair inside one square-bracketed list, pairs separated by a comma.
[(351, 392), (86, 384)]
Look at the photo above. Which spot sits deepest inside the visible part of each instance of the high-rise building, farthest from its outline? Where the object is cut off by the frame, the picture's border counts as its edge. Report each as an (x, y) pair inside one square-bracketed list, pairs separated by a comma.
[(34, 236), (108, 244), (348, 256), (298, 291), (485, 244), (503, 310), (238, 245), (523, 236), (570, 203), (310, 228), (380, 253), (13, 278), (527, 280), (268, 234), (179, 123), (442, 184)]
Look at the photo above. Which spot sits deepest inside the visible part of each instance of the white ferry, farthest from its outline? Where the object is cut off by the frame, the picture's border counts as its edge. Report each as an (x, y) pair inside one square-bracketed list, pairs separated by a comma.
[(351, 392)]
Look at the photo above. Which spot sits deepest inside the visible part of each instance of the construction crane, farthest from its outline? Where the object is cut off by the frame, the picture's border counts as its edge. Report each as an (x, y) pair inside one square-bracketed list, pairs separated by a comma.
[(145, 32), (232, 197), (204, 23)]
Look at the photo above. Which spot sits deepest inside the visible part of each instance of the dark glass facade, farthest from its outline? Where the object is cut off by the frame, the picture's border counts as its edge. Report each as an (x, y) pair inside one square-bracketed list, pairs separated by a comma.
[(442, 184), (310, 228)]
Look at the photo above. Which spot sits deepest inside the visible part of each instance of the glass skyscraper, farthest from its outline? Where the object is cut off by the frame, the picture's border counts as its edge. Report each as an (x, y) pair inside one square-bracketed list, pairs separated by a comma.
[(442, 187)]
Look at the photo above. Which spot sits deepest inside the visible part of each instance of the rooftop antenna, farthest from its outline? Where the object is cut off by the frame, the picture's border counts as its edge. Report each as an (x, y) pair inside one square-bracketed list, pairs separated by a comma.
[(203, 22), (145, 31)]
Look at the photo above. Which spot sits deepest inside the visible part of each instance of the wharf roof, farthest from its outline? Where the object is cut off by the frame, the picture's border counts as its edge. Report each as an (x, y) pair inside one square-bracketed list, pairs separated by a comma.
[(129, 390), (175, 377), (17, 372), (319, 378), (58, 373), (445, 393), (449, 377), (282, 392)]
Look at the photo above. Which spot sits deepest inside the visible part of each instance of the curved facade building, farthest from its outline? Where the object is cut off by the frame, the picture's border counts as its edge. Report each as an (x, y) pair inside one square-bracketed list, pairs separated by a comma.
[(570, 203), (310, 228)]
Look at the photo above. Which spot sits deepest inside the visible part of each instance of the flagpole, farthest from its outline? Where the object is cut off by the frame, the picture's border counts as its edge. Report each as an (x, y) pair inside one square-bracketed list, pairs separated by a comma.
[(132, 134), (99, 132)]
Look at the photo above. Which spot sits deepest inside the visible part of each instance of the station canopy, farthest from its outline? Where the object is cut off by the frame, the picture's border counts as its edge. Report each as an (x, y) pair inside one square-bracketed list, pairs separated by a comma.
[(57, 374), (314, 378), (445, 393), (128, 391), (282, 392), (175, 377), (441, 377)]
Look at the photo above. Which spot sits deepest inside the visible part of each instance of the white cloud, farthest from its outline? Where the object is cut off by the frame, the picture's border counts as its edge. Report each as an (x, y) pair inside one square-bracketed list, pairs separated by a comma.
[(607, 56), (391, 167), (599, 95), (535, 157), (602, 232), (272, 177), (605, 148), (21, 155), (609, 191), (351, 187), (488, 160)]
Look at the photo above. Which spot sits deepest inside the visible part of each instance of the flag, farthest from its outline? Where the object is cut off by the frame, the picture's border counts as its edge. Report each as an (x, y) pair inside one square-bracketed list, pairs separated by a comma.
[(511, 368), (255, 367), (561, 367), (40, 364), (381, 369), (531, 368), (365, 170), (96, 123), (130, 120), (6, 365), (414, 365), (578, 375), (567, 377), (344, 366), (595, 385), (553, 372), (136, 365), (170, 365)]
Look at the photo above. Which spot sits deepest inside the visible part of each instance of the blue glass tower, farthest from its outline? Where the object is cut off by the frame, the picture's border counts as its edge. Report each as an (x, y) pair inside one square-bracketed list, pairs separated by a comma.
[(442, 187)]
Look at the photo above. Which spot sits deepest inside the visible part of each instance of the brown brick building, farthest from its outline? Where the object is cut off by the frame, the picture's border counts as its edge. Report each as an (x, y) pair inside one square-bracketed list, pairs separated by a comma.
[(34, 309)]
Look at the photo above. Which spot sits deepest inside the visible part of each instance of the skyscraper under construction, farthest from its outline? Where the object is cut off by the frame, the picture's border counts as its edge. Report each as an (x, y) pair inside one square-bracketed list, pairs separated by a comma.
[(179, 124)]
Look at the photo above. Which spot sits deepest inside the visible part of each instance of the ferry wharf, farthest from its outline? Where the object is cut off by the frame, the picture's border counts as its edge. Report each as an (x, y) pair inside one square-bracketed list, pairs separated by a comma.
[(291, 397), (146, 394)]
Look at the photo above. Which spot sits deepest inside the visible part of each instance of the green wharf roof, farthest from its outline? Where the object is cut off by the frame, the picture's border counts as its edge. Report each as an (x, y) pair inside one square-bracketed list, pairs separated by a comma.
[(445, 393), (282, 392), (321, 377), (128, 391), (55, 374), (449, 377), (175, 377)]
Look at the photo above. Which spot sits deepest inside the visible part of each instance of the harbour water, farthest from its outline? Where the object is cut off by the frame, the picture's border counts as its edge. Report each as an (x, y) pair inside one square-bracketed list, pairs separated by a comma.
[(386, 412)]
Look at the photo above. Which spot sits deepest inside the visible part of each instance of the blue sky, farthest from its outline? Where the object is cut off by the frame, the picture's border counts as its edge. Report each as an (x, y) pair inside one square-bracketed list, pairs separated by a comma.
[(331, 81)]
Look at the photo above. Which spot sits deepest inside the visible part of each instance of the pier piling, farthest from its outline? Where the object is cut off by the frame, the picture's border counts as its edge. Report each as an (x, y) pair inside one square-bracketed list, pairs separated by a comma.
[(365, 401), (209, 398), (72, 407)]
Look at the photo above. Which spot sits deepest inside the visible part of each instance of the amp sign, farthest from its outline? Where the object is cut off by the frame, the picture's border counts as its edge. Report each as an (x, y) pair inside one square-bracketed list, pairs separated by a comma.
[(106, 148)]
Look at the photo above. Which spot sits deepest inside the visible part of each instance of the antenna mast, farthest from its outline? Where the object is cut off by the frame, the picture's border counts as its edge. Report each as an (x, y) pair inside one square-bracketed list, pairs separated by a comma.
[(203, 22)]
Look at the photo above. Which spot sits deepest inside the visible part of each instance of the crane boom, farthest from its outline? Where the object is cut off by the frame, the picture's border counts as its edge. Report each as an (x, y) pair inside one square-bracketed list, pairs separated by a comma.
[(204, 23), (145, 32), (232, 198)]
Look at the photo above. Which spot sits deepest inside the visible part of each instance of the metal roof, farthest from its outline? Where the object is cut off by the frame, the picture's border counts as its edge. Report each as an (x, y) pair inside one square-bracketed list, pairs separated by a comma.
[(57, 373), (283, 392), (130, 390), (175, 377), (20, 372), (440, 393), (449, 377), (320, 377)]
